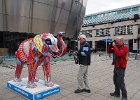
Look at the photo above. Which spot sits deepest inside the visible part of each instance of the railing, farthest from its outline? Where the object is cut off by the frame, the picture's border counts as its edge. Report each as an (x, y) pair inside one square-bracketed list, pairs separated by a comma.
[(8, 58), (13, 58)]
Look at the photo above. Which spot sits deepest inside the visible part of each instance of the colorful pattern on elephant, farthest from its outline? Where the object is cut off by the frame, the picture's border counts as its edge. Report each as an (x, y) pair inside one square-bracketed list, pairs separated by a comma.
[(36, 51)]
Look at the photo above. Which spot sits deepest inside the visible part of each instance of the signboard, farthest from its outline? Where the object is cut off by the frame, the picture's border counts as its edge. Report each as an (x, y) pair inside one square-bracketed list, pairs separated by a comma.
[(37, 93)]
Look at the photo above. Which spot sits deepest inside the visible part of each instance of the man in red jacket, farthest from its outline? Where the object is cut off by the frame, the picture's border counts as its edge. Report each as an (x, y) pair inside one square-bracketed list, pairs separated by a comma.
[(120, 57)]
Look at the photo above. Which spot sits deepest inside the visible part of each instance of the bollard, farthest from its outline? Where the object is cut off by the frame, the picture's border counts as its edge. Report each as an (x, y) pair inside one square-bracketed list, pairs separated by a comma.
[(136, 56), (99, 54), (1, 60)]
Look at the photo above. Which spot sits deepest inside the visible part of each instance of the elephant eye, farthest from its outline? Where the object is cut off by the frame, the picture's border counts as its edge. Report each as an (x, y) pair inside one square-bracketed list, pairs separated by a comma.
[(48, 41)]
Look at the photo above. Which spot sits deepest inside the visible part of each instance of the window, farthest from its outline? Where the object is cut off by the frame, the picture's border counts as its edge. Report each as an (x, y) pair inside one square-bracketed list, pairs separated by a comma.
[(97, 32), (135, 9), (119, 11), (124, 30), (129, 29), (135, 40), (88, 17), (89, 33), (129, 10), (116, 30), (99, 15), (139, 30), (94, 16), (103, 32), (103, 14), (120, 30), (107, 31), (122, 11), (114, 12)]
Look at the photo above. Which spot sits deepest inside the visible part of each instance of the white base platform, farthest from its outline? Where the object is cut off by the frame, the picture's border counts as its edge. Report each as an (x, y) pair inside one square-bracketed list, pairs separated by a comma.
[(39, 92)]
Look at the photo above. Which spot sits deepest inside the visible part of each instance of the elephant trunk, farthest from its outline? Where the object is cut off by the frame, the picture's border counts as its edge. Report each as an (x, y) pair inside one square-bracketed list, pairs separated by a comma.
[(62, 47)]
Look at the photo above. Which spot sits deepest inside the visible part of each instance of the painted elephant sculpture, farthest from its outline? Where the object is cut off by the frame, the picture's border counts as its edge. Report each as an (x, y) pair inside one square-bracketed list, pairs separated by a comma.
[(36, 51)]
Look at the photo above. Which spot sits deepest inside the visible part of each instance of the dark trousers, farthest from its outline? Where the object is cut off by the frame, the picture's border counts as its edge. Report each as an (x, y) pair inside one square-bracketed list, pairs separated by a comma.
[(118, 79)]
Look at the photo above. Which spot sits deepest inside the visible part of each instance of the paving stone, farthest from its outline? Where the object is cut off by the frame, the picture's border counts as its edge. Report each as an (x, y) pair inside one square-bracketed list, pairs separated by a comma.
[(97, 96), (87, 98), (57, 96), (64, 73), (136, 96), (18, 98), (65, 92), (74, 96)]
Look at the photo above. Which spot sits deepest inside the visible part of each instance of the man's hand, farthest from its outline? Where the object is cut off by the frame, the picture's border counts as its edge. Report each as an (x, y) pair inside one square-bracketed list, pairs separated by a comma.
[(73, 54), (113, 44)]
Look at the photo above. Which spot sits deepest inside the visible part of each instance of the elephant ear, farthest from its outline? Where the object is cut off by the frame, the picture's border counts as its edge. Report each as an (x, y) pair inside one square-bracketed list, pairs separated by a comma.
[(38, 42), (48, 41)]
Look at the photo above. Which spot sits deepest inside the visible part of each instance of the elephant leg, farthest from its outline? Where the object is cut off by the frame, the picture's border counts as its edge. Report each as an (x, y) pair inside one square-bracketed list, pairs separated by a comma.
[(47, 73), (30, 72), (30, 83), (37, 63), (34, 72), (18, 71)]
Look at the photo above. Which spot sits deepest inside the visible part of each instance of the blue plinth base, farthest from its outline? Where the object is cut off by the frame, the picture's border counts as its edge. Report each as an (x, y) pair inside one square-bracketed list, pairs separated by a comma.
[(39, 92)]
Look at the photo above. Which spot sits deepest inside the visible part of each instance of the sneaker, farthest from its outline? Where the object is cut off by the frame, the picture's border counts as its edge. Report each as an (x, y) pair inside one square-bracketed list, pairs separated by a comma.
[(78, 91), (114, 94), (87, 90)]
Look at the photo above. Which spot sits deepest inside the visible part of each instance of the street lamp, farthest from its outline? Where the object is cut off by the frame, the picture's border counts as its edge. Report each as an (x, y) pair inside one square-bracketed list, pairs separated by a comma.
[(77, 26), (106, 46)]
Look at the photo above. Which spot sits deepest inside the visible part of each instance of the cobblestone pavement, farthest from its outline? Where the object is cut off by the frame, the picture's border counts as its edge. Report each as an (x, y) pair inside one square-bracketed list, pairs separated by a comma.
[(64, 73)]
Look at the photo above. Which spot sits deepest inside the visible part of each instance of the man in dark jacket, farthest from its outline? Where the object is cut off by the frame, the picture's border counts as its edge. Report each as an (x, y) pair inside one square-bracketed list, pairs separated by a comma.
[(119, 61), (84, 61)]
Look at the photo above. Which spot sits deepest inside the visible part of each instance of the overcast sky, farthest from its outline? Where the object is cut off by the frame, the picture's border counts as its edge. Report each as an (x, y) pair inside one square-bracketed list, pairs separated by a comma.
[(94, 6)]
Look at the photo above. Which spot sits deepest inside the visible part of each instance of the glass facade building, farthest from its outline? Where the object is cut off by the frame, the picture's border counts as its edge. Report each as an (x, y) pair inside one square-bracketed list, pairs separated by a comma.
[(107, 25), (38, 16), (111, 16)]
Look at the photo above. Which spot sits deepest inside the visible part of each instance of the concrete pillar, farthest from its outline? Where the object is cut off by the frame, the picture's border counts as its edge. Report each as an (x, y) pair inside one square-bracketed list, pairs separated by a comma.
[(93, 38)]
